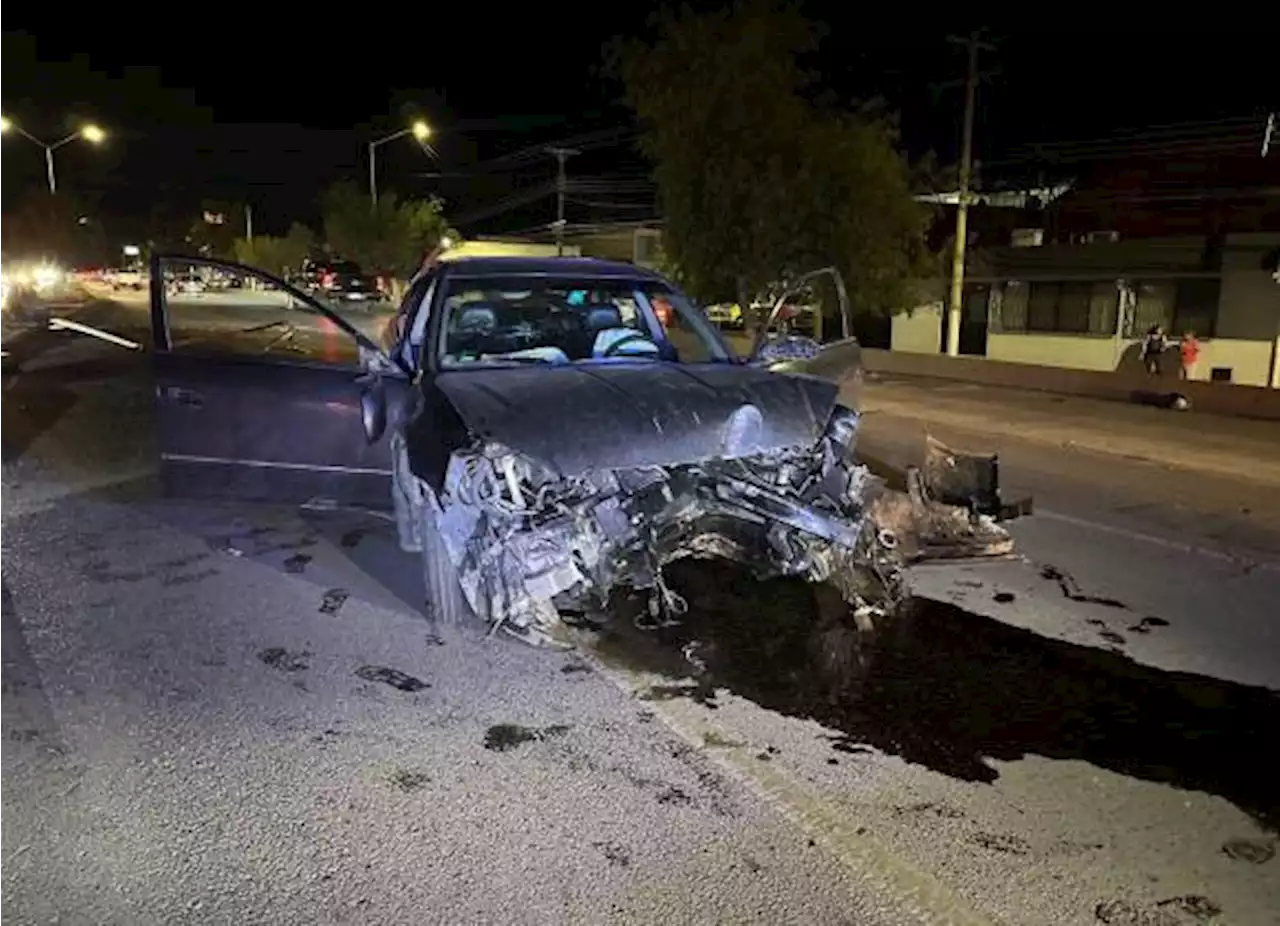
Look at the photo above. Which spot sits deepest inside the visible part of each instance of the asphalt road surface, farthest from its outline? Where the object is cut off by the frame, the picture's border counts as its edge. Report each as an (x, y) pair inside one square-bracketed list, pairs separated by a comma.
[(232, 713)]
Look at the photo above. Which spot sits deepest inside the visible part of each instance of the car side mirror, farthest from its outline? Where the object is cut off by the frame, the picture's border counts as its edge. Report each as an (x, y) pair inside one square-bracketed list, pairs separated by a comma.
[(373, 409), (784, 348)]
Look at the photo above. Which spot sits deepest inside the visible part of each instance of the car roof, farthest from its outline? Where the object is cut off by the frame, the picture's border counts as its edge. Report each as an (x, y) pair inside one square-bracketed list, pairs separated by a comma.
[(547, 266)]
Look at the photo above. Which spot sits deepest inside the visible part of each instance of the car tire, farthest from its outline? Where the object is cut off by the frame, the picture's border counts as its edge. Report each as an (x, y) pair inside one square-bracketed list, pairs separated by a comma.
[(446, 603)]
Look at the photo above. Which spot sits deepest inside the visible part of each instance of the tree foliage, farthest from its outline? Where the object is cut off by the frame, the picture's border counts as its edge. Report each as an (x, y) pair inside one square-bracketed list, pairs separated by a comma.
[(390, 239), (215, 231), (278, 255), (52, 227), (756, 182)]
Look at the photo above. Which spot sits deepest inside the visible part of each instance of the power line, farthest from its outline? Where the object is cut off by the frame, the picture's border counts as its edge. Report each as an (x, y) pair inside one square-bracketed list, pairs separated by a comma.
[(1157, 132), (533, 155), (600, 204), (1222, 137), (508, 203)]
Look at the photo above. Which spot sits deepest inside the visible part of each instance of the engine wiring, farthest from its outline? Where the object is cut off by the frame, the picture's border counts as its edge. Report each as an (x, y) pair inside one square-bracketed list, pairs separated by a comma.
[(498, 487)]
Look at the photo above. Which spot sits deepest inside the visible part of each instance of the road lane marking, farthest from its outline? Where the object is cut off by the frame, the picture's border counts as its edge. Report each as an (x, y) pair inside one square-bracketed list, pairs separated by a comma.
[(1165, 542), (276, 464)]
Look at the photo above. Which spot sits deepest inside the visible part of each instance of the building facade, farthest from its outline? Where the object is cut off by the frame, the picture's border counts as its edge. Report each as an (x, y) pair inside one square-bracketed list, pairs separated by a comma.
[(1086, 306)]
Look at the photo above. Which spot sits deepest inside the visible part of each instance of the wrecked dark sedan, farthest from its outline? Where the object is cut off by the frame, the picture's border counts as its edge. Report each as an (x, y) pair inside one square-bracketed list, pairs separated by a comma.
[(556, 431)]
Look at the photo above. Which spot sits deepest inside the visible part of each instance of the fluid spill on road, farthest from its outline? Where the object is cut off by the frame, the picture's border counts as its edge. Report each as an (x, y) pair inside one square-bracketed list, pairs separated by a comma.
[(950, 689), (277, 657), (503, 737), (333, 600), (297, 563), (401, 681), (1071, 589)]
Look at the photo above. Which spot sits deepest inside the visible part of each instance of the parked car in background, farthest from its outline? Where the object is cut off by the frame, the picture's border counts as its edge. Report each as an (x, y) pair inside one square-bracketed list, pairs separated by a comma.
[(128, 279), (189, 284), (339, 281), (727, 315)]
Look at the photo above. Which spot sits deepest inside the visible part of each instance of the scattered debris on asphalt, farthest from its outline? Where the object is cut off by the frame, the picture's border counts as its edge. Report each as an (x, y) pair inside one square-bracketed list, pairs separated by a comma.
[(333, 600), (277, 657), (297, 563), (1257, 851), (393, 677), (503, 737)]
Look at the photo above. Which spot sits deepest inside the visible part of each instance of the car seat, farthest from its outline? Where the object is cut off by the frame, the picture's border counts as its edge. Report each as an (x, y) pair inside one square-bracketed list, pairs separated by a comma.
[(470, 327), (605, 327)]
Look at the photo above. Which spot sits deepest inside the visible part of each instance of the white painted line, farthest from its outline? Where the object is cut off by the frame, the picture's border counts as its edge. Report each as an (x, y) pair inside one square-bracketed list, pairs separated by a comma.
[(65, 324), (275, 464), (1154, 540)]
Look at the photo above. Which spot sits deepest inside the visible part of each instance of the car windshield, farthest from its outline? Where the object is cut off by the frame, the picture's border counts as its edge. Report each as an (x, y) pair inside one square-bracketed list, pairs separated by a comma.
[(542, 320)]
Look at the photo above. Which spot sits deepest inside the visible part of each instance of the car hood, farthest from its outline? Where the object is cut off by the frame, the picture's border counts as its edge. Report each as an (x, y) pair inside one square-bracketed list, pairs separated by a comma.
[(590, 416)]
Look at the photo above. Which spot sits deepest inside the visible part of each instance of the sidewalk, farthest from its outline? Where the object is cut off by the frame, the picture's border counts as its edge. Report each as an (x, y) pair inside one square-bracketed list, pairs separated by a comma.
[(1236, 447)]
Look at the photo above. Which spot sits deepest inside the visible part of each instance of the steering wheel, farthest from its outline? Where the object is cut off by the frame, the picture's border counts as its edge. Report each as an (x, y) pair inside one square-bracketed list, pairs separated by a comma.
[(625, 340)]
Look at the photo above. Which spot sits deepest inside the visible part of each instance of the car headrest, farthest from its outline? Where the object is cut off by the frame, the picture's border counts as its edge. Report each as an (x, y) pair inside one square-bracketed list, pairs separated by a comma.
[(604, 316), (476, 317)]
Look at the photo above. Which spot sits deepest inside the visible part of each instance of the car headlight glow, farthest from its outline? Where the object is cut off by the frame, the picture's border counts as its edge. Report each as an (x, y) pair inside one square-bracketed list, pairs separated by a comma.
[(45, 276)]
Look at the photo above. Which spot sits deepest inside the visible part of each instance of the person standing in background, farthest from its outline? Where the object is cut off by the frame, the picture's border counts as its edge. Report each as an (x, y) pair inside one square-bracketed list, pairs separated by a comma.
[(1153, 346), (1188, 354)]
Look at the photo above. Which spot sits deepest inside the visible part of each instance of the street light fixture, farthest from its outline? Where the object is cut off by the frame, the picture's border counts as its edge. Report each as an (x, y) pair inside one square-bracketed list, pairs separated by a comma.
[(419, 130), (89, 132)]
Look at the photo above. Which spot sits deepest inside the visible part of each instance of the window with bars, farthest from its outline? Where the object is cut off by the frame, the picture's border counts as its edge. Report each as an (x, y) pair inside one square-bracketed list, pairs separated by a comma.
[(1051, 307), (1176, 306)]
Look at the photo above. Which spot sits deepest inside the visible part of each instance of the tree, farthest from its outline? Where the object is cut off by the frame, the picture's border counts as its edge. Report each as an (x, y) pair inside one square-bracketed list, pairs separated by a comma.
[(756, 182), (391, 239), (216, 229), (275, 254), (53, 227)]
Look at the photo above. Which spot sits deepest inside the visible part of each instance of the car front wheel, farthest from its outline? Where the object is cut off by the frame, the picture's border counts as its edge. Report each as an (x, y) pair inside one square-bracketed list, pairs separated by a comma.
[(447, 605)]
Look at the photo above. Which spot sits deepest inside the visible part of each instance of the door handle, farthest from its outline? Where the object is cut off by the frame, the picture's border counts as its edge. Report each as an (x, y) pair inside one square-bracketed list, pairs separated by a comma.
[(181, 396)]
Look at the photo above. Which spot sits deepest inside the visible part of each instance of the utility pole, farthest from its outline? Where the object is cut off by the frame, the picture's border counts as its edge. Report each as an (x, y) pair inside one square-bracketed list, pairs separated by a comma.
[(561, 155), (955, 307), (248, 224), (1267, 134)]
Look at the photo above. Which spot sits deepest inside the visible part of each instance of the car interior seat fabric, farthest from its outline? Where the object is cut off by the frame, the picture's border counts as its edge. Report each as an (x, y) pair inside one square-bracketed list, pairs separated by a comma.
[(634, 347), (600, 317), (548, 353), (475, 316)]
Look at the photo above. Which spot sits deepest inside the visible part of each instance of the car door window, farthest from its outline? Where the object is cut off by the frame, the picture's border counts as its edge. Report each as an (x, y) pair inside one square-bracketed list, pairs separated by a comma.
[(694, 338), (215, 310)]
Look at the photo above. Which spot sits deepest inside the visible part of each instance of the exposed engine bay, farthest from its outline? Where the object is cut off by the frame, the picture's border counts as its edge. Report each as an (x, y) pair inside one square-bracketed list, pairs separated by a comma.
[(531, 548)]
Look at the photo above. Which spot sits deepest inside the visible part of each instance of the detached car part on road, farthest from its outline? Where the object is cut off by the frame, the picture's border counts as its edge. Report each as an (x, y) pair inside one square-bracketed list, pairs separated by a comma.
[(551, 443)]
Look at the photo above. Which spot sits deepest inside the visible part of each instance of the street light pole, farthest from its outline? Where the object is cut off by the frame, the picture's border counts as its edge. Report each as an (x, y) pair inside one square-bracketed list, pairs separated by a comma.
[(90, 133), (419, 130)]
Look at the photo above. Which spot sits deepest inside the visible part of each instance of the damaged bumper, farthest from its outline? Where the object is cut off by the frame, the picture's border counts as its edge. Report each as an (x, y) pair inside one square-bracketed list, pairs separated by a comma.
[(530, 546)]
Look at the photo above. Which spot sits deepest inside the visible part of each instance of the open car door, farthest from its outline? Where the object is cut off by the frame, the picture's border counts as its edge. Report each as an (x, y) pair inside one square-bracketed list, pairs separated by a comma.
[(260, 388), (838, 360)]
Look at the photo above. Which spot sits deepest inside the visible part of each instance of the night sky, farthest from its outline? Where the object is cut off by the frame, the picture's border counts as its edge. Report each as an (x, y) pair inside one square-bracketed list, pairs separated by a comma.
[(225, 107)]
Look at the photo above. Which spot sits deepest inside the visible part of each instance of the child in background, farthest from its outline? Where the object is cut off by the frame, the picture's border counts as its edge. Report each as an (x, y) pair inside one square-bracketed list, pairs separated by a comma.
[(1188, 353)]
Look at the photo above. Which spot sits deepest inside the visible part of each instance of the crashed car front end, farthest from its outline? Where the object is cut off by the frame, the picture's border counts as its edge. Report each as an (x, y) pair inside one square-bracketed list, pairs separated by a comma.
[(530, 545)]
